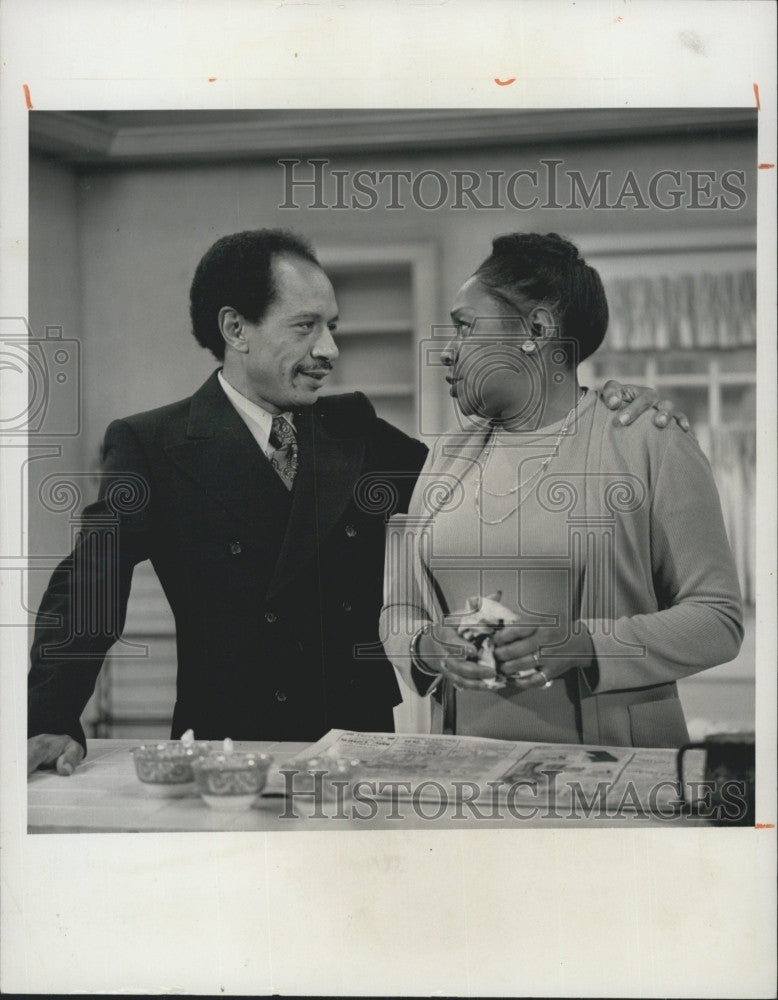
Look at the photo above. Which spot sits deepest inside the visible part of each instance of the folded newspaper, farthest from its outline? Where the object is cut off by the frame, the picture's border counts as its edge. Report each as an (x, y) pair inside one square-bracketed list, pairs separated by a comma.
[(417, 765)]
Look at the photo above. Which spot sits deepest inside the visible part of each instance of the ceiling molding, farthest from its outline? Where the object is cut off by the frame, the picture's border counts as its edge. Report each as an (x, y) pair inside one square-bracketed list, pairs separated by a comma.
[(124, 138), (69, 135)]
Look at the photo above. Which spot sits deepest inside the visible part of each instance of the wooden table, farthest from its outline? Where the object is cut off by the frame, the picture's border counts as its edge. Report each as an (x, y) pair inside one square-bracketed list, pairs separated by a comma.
[(105, 795)]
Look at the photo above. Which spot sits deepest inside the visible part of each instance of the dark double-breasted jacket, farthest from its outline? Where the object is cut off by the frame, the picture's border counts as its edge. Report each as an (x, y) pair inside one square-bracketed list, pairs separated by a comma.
[(276, 595)]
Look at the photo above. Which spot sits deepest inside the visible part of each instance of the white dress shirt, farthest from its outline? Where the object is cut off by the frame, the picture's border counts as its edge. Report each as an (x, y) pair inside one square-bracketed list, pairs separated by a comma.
[(254, 416)]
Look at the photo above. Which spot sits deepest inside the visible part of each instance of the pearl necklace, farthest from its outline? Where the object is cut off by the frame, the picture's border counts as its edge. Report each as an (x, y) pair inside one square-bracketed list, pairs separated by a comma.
[(525, 482)]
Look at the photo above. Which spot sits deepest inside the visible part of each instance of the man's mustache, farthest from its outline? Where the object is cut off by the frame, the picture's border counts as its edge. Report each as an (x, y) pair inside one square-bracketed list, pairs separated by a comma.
[(321, 369)]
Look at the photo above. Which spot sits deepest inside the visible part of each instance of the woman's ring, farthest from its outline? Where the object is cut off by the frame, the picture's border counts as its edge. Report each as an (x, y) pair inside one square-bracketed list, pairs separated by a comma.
[(536, 658), (546, 682)]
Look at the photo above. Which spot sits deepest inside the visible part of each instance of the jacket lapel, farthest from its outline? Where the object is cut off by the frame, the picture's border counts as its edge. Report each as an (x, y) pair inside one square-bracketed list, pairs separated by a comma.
[(221, 454), (328, 468)]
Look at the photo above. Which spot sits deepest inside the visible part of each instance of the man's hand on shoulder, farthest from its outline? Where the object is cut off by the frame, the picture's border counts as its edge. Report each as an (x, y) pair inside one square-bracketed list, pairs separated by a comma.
[(632, 400), (59, 752)]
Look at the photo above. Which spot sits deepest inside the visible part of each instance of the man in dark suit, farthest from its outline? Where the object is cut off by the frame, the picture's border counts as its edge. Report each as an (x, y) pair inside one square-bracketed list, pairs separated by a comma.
[(243, 498)]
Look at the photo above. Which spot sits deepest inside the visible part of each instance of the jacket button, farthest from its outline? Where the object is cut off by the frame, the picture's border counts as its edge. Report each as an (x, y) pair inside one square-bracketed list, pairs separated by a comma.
[(351, 531), (346, 606), (235, 548), (280, 696), (270, 617)]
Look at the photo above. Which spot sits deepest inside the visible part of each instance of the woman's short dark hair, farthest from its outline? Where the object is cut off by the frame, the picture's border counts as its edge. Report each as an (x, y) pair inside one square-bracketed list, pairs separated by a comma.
[(237, 272), (548, 269)]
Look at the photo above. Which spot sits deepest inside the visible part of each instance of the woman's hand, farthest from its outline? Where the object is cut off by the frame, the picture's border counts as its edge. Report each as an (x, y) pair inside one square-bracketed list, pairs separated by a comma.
[(518, 652), (632, 400), (444, 650)]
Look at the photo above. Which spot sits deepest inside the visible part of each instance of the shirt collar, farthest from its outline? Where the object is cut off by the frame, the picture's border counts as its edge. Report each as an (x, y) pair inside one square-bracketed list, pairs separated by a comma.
[(256, 417)]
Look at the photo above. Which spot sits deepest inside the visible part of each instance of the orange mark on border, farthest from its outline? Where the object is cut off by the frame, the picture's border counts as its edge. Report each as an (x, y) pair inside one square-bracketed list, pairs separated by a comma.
[(211, 79), (766, 166), (764, 826), (756, 95), (27, 97), (505, 83)]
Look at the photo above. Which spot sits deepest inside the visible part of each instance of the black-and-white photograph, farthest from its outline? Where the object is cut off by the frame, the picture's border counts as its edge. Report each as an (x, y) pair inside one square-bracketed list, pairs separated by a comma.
[(387, 552), (415, 422)]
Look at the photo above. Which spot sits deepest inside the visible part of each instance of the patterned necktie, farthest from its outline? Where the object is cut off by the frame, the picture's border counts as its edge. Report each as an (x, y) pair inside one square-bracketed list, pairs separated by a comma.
[(283, 458)]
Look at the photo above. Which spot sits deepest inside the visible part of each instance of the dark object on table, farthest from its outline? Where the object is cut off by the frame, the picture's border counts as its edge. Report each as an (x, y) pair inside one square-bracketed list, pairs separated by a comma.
[(728, 790)]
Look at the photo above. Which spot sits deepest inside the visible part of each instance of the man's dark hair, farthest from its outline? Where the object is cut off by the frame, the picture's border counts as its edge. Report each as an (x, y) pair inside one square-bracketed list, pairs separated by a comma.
[(237, 272), (548, 269)]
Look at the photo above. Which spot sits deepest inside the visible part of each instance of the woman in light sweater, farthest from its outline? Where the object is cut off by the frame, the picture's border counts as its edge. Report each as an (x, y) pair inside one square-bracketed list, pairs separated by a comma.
[(604, 545)]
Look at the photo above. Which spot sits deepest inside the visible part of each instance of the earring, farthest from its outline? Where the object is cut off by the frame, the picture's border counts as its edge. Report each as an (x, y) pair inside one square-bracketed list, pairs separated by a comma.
[(528, 346)]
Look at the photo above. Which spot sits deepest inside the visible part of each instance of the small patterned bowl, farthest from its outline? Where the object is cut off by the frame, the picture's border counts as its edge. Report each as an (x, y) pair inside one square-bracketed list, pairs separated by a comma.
[(166, 768), (232, 780), (328, 777)]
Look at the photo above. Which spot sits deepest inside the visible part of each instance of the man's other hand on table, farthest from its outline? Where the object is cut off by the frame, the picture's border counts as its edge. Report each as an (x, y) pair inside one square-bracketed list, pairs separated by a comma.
[(61, 753)]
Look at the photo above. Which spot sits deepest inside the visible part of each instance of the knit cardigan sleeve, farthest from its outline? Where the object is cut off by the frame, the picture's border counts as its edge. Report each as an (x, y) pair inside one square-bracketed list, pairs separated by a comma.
[(698, 621)]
